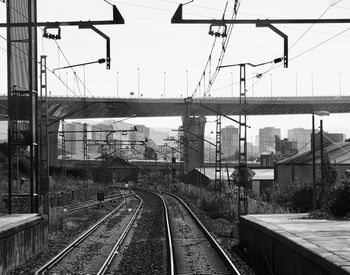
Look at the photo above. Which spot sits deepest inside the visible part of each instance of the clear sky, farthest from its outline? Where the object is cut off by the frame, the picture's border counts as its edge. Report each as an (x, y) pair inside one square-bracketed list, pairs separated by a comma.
[(163, 52)]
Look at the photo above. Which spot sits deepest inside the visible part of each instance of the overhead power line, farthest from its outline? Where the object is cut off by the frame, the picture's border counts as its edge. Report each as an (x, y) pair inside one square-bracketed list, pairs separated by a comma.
[(78, 78), (310, 27), (225, 42)]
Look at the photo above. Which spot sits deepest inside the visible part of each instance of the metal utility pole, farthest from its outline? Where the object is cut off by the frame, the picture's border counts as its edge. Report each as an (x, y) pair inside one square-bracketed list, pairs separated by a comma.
[(242, 166), (22, 92), (63, 155), (313, 141), (173, 162), (85, 152), (218, 164), (43, 141), (244, 173), (322, 160)]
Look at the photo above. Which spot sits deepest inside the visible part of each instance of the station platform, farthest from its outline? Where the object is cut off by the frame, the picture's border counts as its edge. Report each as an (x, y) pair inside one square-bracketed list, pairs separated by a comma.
[(294, 244), (21, 237)]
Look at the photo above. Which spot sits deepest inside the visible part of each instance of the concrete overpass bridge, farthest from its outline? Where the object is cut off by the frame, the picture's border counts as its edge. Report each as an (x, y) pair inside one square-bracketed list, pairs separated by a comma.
[(76, 107), (87, 108)]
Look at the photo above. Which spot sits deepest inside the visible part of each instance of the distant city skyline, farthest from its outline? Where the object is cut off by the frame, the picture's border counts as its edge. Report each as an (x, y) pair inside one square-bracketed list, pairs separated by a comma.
[(334, 123), (162, 123)]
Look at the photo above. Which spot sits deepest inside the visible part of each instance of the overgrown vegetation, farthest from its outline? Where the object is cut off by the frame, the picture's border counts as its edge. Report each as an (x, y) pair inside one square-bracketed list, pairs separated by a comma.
[(332, 197), (215, 202)]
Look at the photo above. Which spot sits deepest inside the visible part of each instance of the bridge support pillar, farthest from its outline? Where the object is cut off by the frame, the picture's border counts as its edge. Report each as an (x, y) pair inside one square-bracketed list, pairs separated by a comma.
[(193, 147)]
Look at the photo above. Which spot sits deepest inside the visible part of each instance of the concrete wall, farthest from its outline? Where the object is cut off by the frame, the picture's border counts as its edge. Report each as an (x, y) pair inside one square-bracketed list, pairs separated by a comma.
[(22, 241)]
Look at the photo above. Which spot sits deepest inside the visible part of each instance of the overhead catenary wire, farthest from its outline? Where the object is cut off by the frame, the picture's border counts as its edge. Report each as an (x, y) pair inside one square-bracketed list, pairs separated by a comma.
[(274, 66), (209, 89), (75, 74), (342, 7), (223, 51), (60, 50), (50, 70), (304, 146), (302, 53), (99, 126), (224, 46), (311, 26), (340, 147)]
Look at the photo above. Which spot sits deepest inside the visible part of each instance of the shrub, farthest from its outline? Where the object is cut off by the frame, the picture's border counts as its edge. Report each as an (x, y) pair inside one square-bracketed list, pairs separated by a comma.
[(298, 197), (212, 207), (301, 199), (338, 202), (259, 206)]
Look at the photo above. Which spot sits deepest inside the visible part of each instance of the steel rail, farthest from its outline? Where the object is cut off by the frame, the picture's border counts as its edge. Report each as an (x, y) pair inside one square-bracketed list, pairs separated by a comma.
[(93, 202), (73, 206), (168, 236), (210, 238), (116, 247), (75, 243)]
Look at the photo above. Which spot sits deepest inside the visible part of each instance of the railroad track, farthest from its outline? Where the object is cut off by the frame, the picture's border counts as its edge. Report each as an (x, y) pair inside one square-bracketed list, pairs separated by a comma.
[(90, 203), (94, 250), (192, 249)]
